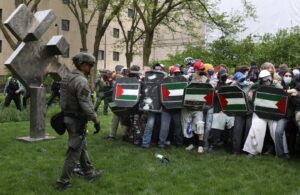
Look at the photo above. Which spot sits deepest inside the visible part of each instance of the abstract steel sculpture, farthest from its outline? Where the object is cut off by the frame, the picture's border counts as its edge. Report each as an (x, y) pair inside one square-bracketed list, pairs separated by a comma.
[(32, 61)]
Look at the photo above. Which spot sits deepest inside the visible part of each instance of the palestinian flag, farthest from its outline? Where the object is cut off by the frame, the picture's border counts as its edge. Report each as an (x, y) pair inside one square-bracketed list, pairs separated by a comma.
[(173, 91), (233, 102), (127, 92), (270, 103), (199, 95)]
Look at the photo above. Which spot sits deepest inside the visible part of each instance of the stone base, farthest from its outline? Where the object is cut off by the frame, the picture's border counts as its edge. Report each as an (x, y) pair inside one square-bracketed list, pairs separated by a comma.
[(30, 139)]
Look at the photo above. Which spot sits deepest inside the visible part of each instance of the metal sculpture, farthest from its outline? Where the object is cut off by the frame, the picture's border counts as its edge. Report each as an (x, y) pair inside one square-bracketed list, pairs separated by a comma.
[(32, 61)]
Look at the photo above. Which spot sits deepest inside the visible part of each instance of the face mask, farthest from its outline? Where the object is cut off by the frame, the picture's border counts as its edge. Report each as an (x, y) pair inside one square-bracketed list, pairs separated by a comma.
[(211, 72), (177, 74), (287, 80), (223, 78), (201, 73)]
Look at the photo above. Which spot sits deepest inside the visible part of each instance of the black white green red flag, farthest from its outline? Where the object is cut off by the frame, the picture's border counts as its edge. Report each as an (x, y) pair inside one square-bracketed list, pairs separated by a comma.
[(233, 100), (199, 96), (172, 91), (127, 92), (270, 103)]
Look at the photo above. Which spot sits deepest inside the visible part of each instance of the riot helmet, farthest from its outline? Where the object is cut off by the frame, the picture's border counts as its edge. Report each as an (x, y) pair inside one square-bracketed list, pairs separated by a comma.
[(189, 61), (265, 77), (134, 71), (82, 58)]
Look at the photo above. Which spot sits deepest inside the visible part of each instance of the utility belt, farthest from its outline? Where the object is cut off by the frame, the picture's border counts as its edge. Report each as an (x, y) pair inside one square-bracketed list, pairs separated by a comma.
[(77, 116)]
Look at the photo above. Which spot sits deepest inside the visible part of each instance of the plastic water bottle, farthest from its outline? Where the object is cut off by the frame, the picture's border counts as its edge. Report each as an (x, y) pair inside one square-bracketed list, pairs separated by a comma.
[(161, 158)]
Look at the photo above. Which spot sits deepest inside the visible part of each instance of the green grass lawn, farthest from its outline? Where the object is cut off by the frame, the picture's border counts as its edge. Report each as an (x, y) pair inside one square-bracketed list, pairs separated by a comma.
[(32, 168)]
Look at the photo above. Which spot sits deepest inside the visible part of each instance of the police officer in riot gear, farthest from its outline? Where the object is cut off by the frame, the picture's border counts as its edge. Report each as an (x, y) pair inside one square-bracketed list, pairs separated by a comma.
[(78, 109)]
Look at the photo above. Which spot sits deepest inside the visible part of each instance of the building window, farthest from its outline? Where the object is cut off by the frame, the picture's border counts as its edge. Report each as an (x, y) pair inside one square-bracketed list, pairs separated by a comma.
[(130, 13), (66, 53), (65, 25), (66, 1), (0, 46), (0, 13), (116, 33), (84, 3), (116, 56), (100, 55)]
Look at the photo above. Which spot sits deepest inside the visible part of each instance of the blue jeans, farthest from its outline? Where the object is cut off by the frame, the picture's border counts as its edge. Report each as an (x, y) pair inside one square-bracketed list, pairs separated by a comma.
[(166, 117), (279, 132), (148, 129)]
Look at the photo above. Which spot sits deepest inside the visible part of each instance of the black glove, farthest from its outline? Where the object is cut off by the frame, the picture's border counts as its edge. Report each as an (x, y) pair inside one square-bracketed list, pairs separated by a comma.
[(97, 127)]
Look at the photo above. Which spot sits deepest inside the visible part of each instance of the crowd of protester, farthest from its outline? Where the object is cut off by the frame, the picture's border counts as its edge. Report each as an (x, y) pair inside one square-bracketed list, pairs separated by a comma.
[(205, 129), (211, 128)]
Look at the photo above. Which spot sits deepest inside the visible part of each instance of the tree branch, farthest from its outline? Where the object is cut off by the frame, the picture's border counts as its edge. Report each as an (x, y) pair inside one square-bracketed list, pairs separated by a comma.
[(212, 18), (142, 15), (35, 6)]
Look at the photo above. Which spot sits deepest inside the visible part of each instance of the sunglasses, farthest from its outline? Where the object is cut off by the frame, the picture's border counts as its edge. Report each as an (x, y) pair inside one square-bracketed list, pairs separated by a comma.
[(287, 75)]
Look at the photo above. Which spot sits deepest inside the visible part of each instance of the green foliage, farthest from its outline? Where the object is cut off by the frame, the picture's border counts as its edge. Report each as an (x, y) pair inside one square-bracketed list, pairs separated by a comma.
[(228, 22), (172, 14), (232, 52), (280, 48)]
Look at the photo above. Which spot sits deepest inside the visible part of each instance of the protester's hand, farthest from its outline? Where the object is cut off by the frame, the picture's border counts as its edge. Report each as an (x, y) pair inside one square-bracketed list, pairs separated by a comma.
[(250, 95), (97, 127), (292, 92)]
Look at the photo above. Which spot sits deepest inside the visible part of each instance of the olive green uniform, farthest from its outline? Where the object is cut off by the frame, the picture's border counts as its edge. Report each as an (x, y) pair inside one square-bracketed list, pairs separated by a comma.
[(78, 109), (101, 87)]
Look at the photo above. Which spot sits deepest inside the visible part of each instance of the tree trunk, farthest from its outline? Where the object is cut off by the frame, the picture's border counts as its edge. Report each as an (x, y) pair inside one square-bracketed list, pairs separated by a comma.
[(34, 7), (147, 47), (128, 59), (83, 34), (98, 38)]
